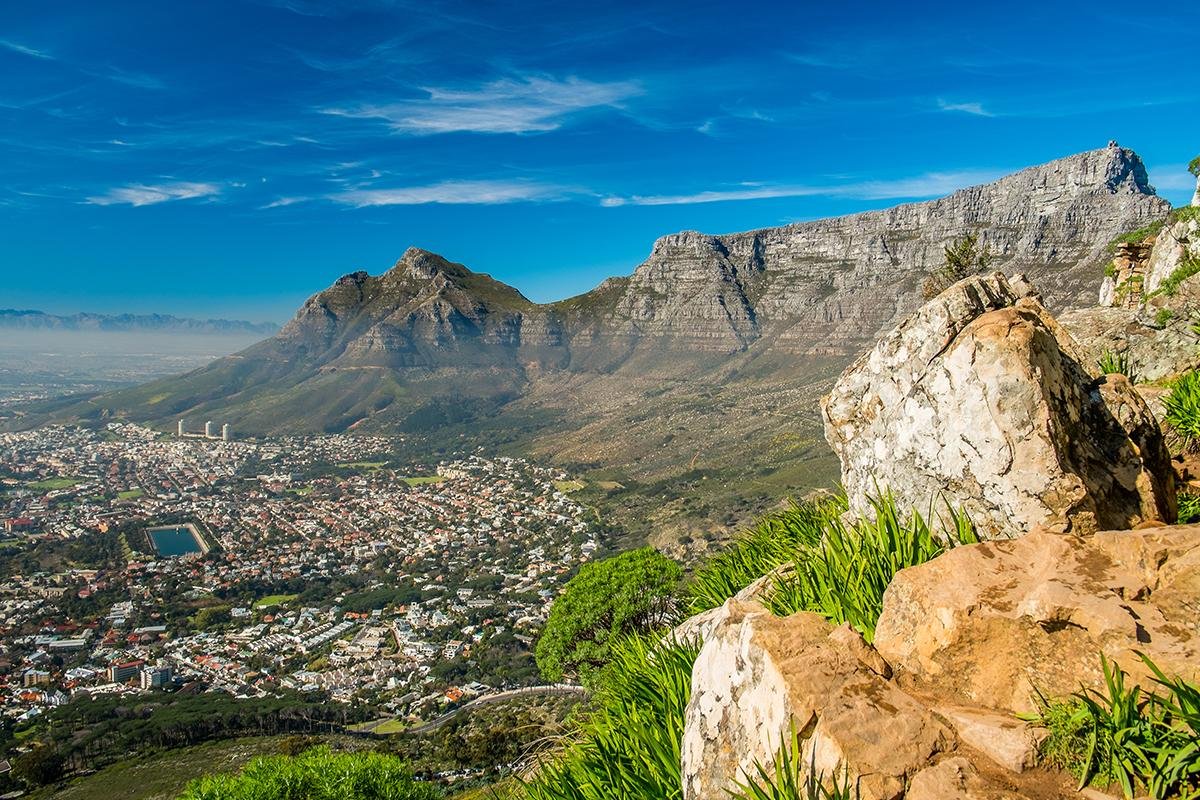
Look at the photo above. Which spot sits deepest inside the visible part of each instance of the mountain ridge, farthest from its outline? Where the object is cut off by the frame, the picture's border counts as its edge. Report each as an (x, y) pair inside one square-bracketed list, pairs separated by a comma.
[(32, 319), (711, 344)]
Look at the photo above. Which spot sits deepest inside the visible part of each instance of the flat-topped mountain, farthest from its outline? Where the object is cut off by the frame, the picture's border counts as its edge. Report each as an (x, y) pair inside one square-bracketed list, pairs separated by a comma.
[(712, 343)]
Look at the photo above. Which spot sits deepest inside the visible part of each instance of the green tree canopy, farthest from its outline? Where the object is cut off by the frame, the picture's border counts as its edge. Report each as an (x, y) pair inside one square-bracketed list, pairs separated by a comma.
[(40, 766), (1194, 166), (964, 256), (631, 593)]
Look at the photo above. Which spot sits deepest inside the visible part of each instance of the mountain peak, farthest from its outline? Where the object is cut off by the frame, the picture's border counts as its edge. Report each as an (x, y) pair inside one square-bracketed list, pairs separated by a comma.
[(419, 263)]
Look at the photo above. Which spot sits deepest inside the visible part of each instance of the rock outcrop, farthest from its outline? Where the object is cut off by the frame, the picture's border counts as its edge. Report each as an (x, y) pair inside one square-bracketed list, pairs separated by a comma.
[(1177, 244), (981, 400), (964, 642), (759, 676), (1148, 303), (991, 624)]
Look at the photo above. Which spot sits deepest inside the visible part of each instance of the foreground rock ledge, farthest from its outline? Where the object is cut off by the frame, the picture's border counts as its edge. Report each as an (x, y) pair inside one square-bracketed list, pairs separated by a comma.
[(962, 643), (982, 400), (990, 623)]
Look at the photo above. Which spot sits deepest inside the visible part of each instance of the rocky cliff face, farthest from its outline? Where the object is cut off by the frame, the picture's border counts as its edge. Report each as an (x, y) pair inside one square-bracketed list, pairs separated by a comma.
[(833, 285), (711, 347)]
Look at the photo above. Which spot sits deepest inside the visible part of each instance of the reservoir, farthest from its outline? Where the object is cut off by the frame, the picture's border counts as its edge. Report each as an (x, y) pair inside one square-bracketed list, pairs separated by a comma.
[(176, 540)]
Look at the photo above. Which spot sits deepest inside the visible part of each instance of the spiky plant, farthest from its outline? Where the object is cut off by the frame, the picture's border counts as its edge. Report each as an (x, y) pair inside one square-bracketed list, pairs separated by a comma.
[(843, 577), (1117, 363), (628, 747), (789, 780), (1182, 406)]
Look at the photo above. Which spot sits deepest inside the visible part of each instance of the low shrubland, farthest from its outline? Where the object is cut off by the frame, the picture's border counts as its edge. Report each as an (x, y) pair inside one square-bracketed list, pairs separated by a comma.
[(1141, 741), (316, 774)]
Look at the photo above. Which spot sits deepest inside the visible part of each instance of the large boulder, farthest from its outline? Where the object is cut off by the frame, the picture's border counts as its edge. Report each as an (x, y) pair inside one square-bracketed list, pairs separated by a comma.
[(981, 400), (994, 623), (758, 677)]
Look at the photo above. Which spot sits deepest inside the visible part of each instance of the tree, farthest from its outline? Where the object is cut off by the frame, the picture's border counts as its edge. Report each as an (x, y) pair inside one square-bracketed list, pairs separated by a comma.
[(631, 593), (963, 257), (1194, 166), (40, 766)]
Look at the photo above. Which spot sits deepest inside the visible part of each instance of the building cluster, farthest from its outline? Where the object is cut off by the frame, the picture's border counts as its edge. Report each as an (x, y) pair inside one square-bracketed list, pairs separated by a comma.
[(330, 570)]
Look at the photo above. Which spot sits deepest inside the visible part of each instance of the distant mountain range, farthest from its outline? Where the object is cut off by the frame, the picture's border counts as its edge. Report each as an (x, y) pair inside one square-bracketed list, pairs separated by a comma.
[(158, 323), (707, 361)]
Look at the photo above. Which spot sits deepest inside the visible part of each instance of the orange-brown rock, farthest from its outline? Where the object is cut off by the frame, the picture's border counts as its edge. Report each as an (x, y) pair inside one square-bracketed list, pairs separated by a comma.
[(991, 624)]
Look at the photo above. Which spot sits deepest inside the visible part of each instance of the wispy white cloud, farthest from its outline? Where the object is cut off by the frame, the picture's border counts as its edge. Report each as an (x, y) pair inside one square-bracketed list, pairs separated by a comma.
[(138, 80), (933, 184), (147, 195), (530, 104), (975, 109), (25, 50), (282, 202), (453, 193)]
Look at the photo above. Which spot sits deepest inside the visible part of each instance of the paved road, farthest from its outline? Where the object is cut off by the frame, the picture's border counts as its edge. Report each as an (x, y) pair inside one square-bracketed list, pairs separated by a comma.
[(488, 699)]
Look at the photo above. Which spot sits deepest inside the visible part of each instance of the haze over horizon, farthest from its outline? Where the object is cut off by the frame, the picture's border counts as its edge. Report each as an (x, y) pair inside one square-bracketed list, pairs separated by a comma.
[(229, 160)]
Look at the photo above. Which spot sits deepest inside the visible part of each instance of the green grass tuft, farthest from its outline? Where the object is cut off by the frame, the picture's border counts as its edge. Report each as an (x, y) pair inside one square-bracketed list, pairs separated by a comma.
[(1189, 508), (790, 781), (1182, 406), (1141, 742), (1117, 363), (769, 544), (844, 575)]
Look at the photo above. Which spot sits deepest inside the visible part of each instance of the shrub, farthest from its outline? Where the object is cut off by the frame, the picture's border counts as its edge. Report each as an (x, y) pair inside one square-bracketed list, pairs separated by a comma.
[(1123, 736), (1136, 236), (317, 774), (1117, 363), (963, 257), (1189, 508), (628, 747), (608, 600), (1182, 406), (844, 575), (1163, 316), (770, 544)]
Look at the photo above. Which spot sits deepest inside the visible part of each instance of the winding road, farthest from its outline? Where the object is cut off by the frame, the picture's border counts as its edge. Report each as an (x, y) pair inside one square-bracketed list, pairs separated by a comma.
[(499, 697)]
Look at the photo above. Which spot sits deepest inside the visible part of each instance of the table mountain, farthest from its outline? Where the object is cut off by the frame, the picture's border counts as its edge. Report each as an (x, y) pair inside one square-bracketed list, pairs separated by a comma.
[(709, 356)]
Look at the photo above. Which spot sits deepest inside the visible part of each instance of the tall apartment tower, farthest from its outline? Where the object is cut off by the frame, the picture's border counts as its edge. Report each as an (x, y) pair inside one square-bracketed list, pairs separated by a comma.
[(210, 430), (226, 434), (179, 430)]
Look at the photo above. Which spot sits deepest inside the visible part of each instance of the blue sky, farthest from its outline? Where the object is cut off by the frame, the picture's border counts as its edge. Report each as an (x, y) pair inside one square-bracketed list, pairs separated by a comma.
[(229, 159)]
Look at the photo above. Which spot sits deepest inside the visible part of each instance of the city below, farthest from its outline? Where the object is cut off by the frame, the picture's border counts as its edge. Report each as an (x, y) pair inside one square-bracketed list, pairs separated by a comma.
[(135, 561)]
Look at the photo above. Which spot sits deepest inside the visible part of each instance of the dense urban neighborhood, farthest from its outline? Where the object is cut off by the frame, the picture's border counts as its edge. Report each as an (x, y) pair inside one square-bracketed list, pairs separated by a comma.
[(135, 561)]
